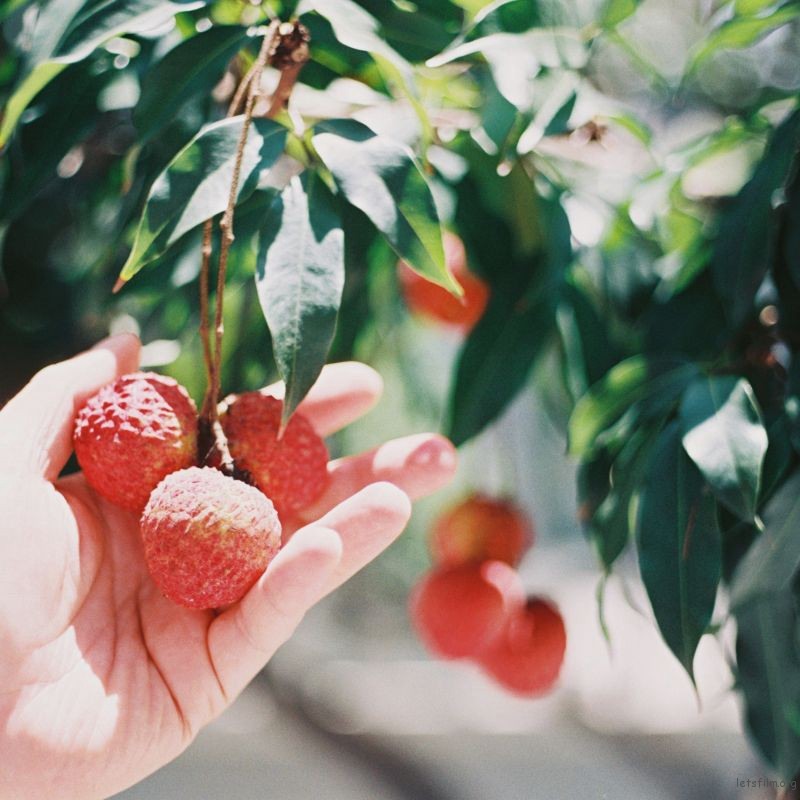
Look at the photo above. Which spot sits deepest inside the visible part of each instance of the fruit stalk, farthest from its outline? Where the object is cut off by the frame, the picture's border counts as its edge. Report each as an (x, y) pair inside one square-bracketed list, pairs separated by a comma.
[(285, 46)]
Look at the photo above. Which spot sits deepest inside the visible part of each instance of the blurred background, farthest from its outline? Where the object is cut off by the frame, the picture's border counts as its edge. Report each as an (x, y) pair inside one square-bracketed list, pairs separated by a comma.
[(588, 147)]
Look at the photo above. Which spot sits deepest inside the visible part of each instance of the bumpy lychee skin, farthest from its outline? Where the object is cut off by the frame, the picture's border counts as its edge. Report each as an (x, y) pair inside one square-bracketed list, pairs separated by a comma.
[(481, 528), (293, 470), (526, 659), (132, 433), (430, 300), (459, 612), (207, 538)]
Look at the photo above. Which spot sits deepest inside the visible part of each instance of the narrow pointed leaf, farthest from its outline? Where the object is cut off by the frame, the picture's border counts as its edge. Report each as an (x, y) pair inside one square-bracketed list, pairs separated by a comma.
[(679, 546), (191, 68), (634, 387), (617, 11), (195, 185), (355, 27), (724, 436), (299, 279), (607, 515), (744, 238), (380, 177), (516, 328), (496, 360), (58, 44), (773, 560), (740, 32), (768, 672)]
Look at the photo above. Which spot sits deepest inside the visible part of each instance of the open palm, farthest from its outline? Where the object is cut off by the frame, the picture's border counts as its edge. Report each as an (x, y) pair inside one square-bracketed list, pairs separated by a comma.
[(103, 680)]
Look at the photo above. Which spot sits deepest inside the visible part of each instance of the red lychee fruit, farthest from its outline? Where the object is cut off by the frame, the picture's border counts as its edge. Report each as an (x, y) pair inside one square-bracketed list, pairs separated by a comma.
[(207, 537), (458, 612), (481, 528), (527, 657), (293, 470), (132, 433), (436, 303)]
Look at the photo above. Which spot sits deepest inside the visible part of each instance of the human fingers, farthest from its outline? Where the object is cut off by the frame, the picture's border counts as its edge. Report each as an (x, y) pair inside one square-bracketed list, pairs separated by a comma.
[(36, 425), (419, 465), (244, 637), (317, 559), (342, 393), (367, 523)]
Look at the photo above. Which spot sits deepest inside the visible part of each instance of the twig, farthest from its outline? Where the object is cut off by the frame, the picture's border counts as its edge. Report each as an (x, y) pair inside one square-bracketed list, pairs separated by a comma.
[(236, 102), (205, 337), (226, 223), (285, 46)]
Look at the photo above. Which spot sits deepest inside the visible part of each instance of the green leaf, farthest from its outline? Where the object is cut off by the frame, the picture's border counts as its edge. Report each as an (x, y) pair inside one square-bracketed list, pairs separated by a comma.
[(588, 348), (8, 7), (768, 672), (605, 402), (70, 112), (749, 7), (53, 19), (354, 27), (552, 48), (659, 380), (608, 521), (617, 11), (53, 50), (742, 32), (514, 331), (742, 243), (191, 68), (496, 359), (41, 75), (380, 177), (679, 547), (724, 435), (195, 185), (299, 279), (787, 252), (773, 560)]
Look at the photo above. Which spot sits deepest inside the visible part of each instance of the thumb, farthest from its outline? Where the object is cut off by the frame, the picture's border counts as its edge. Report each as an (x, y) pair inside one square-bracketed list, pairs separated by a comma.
[(36, 424)]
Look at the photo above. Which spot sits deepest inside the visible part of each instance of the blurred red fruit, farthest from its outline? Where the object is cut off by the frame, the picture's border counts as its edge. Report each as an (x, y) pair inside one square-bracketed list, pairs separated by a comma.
[(526, 659), (434, 302), (458, 612), (481, 528)]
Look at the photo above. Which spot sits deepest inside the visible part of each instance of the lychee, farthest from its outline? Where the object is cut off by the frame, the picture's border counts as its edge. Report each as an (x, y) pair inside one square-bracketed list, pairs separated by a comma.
[(207, 537), (458, 612), (480, 528), (527, 657), (132, 433), (291, 470), (436, 303)]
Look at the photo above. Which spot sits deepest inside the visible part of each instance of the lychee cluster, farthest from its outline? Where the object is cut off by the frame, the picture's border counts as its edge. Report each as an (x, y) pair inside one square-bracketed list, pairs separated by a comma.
[(472, 604), (433, 302), (207, 537)]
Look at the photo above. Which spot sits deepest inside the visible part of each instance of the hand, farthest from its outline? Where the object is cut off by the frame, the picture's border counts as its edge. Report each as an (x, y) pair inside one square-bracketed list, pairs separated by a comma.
[(103, 680)]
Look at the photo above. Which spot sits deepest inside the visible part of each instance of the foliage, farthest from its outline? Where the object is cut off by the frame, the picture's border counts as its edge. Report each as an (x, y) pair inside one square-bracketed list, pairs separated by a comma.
[(633, 206)]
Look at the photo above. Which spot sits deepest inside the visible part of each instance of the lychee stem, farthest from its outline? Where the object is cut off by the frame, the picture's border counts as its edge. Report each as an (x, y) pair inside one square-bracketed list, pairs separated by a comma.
[(204, 328), (226, 223), (210, 429), (286, 46)]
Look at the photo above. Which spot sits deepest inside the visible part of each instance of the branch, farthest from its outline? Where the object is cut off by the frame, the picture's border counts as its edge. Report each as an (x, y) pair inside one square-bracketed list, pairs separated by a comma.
[(285, 46)]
